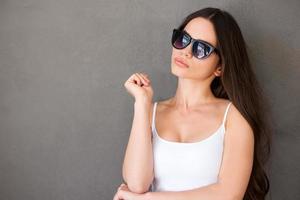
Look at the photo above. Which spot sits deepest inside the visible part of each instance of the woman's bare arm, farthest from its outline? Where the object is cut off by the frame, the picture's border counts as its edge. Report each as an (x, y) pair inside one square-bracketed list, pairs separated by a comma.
[(137, 168)]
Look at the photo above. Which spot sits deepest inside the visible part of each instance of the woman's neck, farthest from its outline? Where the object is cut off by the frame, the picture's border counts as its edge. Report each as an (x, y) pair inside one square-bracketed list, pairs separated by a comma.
[(191, 94)]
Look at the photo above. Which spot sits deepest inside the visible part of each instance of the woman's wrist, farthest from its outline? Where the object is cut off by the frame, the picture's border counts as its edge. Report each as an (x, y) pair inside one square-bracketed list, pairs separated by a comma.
[(142, 101)]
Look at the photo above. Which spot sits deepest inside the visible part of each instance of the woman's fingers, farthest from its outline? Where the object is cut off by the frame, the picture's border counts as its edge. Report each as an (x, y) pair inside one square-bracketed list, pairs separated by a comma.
[(145, 76), (117, 195), (141, 79), (135, 79), (120, 187)]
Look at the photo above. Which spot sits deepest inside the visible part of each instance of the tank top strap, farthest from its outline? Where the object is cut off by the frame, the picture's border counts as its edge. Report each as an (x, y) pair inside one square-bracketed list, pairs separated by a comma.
[(226, 111), (153, 115)]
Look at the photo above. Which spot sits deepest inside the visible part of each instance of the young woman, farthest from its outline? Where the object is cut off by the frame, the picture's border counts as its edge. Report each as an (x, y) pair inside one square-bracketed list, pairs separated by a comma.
[(211, 140)]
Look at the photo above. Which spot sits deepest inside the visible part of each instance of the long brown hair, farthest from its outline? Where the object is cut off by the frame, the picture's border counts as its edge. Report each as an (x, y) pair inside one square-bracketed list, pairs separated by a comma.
[(238, 83)]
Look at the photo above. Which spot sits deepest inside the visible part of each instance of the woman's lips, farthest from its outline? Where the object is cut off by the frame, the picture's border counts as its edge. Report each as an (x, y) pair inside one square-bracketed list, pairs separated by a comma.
[(180, 63)]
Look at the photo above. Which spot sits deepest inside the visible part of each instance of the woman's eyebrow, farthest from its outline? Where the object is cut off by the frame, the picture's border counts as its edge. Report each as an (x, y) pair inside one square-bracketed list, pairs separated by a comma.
[(197, 38)]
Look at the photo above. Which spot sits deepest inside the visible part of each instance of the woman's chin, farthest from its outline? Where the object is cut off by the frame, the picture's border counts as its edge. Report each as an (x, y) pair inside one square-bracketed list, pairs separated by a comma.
[(177, 71)]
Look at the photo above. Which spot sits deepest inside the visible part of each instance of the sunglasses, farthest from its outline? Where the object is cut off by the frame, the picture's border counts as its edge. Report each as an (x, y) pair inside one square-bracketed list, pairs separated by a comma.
[(201, 49)]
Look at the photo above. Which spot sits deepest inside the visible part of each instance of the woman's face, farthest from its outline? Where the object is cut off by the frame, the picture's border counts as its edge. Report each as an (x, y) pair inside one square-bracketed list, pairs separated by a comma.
[(208, 68)]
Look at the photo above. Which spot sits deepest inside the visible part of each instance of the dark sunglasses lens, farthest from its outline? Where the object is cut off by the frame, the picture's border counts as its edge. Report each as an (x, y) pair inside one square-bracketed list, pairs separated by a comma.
[(201, 50), (179, 39)]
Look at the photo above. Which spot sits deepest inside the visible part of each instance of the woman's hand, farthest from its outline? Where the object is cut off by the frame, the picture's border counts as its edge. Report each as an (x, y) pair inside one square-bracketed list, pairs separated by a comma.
[(139, 86), (124, 193)]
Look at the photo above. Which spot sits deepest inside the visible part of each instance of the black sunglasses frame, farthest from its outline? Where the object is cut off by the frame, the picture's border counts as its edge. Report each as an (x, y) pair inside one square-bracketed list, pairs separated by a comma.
[(194, 44)]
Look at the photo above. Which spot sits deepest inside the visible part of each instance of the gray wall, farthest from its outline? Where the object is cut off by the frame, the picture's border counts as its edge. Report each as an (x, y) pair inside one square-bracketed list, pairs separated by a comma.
[(65, 116)]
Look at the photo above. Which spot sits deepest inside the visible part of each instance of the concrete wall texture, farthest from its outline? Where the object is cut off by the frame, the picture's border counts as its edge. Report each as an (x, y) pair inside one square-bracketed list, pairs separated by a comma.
[(65, 116)]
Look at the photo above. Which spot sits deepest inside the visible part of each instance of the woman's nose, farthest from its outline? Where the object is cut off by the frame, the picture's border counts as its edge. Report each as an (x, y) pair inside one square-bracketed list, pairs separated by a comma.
[(187, 51)]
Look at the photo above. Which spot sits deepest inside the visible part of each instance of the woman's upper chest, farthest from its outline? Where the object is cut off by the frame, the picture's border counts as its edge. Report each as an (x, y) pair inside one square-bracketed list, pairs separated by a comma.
[(179, 126)]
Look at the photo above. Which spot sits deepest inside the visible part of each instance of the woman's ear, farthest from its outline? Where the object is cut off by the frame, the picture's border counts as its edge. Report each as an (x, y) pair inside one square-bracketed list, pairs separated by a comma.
[(218, 71)]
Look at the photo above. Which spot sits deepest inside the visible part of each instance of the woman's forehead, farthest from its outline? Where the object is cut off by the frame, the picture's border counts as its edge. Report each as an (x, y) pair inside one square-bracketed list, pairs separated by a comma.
[(200, 28)]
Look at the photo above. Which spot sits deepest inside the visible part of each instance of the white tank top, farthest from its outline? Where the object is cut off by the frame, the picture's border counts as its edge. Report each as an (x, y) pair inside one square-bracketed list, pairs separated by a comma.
[(182, 166)]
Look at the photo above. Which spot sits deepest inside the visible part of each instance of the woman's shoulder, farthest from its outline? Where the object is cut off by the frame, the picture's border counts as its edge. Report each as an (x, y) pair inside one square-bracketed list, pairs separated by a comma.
[(222, 102), (163, 103), (236, 123), (160, 104), (235, 119)]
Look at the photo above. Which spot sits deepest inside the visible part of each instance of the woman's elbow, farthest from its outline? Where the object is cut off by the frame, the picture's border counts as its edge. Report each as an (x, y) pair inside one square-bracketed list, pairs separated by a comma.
[(138, 188), (234, 196)]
